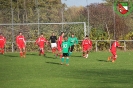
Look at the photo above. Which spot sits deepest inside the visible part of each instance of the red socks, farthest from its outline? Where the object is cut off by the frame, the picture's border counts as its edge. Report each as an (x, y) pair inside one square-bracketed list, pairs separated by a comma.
[(21, 54)]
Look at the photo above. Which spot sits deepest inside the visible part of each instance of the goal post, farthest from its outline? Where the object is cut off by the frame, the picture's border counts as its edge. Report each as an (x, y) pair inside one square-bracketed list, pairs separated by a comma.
[(32, 30)]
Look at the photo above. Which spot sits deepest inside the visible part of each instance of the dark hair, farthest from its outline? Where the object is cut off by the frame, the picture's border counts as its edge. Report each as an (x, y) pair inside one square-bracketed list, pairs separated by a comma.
[(41, 33), (72, 34), (86, 36), (20, 32)]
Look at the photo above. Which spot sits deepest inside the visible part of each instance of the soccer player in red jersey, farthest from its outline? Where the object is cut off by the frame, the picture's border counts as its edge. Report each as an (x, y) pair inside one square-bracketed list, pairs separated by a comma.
[(21, 43), (41, 42), (2, 43), (59, 43), (86, 45), (115, 44)]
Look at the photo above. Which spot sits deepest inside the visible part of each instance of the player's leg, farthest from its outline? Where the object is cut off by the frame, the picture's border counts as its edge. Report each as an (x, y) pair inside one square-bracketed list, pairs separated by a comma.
[(71, 50), (114, 56), (40, 50), (67, 59), (43, 52), (20, 51), (62, 59), (84, 52), (52, 48), (2, 49), (60, 54), (87, 53), (60, 51), (24, 51)]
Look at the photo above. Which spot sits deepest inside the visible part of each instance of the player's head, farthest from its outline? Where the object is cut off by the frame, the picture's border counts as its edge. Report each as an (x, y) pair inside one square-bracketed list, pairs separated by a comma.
[(86, 37), (20, 33), (41, 35), (72, 35), (53, 34), (65, 38)]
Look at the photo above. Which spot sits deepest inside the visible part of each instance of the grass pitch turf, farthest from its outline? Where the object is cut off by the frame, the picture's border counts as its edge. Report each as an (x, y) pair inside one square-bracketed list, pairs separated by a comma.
[(46, 72)]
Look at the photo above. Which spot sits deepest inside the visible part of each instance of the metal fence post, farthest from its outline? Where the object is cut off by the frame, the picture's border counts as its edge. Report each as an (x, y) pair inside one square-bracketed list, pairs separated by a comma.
[(96, 45), (124, 45)]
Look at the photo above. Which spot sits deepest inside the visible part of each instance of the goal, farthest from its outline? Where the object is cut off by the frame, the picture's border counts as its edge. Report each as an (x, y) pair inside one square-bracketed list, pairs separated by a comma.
[(32, 30)]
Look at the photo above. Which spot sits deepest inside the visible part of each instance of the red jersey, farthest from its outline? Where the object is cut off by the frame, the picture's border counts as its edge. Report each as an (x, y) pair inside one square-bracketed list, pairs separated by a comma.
[(86, 43), (2, 40), (114, 45), (59, 41), (40, 41), (20, 40)]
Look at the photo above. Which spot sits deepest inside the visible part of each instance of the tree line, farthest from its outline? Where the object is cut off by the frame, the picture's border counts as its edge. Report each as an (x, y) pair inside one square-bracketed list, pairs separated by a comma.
[(104, 24)]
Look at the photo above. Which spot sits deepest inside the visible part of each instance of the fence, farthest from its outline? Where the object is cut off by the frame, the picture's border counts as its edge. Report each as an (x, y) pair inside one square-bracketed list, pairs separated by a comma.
[(32, 30), (98, 45)]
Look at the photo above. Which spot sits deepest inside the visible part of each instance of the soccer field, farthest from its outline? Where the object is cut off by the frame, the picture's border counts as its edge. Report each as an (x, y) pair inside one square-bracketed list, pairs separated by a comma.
[(46, 72)]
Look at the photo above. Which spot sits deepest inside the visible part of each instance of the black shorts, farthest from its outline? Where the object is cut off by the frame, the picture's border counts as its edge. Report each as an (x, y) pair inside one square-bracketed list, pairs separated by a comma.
[(65, 54)]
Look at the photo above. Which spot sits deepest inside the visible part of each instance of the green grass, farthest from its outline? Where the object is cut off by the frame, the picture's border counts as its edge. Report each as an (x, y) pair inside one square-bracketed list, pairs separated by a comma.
[(45, 72)]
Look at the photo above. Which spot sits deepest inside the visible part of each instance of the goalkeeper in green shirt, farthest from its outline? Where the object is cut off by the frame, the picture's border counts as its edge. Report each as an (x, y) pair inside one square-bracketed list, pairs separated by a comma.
[(65, 50), (73, 41)]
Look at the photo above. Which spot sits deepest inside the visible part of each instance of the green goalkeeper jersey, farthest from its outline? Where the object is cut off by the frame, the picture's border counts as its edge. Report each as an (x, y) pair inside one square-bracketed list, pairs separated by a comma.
[(73, 40), (65, 46)]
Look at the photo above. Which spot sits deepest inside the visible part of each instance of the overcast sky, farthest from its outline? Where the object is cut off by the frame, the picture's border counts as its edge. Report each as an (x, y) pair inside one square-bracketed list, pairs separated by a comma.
[(80, 2)]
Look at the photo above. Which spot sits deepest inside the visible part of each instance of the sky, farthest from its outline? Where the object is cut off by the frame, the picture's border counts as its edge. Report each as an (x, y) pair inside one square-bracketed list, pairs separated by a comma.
[(80, 2)]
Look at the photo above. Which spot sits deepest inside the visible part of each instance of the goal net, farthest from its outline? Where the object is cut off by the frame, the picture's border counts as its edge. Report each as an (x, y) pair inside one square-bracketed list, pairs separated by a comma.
[(32, 30)]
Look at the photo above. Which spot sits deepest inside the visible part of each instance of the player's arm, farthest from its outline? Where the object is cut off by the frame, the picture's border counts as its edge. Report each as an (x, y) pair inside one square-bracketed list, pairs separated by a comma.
[(24, 40), (59, 41), (36, 42), (90, 45), (56, 38), (76, 41), (4, 40), (118, 45)]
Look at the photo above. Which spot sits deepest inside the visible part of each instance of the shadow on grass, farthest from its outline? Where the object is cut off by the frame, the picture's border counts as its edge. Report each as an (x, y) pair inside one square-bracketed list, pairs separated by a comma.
[(102, 78), (75, 56), (11, 56), (53, 63), (32, 54), (103, 60), (54, 57)]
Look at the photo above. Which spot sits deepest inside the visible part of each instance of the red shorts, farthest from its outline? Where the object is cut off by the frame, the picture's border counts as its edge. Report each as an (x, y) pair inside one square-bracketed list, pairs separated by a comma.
[(85, 49), (2, 45), (21, 46), (41, 46)]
